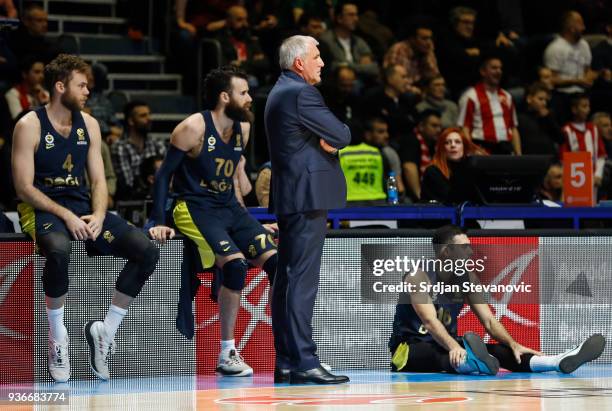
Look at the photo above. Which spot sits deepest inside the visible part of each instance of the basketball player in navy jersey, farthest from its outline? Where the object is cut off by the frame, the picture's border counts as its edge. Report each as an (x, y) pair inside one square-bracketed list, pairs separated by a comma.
[(53, 147), (204, 153), (424, 337)]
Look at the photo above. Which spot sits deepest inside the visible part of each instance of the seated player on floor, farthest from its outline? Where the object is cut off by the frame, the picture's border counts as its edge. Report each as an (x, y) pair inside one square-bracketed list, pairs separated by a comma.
[(424, 337)]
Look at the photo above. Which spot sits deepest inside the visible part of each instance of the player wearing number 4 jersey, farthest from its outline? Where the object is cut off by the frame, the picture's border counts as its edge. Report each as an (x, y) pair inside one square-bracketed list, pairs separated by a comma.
[(52, 148), (204, 155)]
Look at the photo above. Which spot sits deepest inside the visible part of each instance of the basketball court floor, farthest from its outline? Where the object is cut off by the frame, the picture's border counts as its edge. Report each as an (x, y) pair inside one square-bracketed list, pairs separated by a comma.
[(589, 388)]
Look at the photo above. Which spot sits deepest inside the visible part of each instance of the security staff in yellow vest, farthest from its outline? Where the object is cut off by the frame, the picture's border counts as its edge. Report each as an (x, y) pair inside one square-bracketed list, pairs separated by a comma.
[(365, 168)]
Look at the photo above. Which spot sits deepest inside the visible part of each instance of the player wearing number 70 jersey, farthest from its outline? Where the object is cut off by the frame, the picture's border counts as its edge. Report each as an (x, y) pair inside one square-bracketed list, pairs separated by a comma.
[(204, 155)]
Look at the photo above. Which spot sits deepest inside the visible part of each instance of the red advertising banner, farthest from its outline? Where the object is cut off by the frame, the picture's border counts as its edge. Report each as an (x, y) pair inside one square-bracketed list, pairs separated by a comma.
[(253, 333), (16, 312), (516, 260)]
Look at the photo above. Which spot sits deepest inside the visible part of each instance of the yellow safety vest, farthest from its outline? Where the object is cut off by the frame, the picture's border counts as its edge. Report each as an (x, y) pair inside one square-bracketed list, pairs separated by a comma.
[(362, 165)]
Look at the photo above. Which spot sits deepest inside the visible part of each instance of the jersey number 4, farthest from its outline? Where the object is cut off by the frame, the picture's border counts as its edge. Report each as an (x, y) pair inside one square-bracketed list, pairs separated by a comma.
[(68, 164)]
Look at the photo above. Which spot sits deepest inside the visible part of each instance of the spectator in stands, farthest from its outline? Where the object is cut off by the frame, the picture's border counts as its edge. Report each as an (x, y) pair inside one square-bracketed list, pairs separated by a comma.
[(196, 19), (540, 133), (340, 97), (311, 25), (447, 179), (348, 49), (545, 76), (487, 113), (601, 93), (416, 55), (582, 135), (393, 102), (552, 186), (418, 149), (376, 133), (370, 27), (201, 17), (297, 8), (8, 65), (569, 58), (262, 184), (99, 106), (364, 169), (604, 127), (365, 166), (129, 152), (459, 51), (602, 55), (7, 9), (29, 38), (435, 99), (143, 187), (239, 48), (30, 92)]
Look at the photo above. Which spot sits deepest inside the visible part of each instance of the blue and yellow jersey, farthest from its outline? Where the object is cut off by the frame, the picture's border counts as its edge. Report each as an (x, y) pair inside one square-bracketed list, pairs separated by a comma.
[(407, 325), (208, 179), (59, 162)]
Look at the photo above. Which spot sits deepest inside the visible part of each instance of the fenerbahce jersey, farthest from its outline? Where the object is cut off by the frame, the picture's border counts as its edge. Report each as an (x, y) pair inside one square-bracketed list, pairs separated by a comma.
[(208, 179), (407, 326), (60, 162)]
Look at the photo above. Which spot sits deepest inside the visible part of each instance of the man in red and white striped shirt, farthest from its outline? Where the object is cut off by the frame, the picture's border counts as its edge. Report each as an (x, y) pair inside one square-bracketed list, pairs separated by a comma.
[(582, 135), (487, 113)]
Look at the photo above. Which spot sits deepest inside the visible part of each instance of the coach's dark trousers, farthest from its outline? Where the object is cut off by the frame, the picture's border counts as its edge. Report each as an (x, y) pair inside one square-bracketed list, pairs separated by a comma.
[(301, 238)]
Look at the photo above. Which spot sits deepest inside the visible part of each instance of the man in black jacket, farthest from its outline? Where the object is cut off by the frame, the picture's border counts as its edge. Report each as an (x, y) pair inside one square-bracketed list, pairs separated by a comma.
[(539, 131)]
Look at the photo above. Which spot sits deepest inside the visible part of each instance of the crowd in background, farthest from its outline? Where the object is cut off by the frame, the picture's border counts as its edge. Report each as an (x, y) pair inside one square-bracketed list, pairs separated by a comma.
[(422, 85)]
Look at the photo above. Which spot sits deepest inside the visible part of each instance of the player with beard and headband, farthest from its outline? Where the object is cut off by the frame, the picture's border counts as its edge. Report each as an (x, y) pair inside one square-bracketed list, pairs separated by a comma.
[(53, 146), (204, 153)]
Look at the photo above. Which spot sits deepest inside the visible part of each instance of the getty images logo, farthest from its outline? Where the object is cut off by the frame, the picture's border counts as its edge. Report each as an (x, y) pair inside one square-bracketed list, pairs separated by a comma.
[(8, 276), (514, 271)]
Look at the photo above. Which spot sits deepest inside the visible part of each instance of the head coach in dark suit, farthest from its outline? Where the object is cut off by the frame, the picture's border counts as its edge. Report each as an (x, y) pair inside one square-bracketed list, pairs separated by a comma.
[(303, 139)]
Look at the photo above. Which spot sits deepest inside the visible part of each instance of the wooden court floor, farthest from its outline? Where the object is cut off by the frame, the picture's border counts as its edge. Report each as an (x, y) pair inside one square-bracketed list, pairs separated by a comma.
[(590, 388)]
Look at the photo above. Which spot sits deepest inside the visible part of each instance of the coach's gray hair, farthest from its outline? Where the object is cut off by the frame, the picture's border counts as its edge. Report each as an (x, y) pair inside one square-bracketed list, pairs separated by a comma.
[(293, 47)]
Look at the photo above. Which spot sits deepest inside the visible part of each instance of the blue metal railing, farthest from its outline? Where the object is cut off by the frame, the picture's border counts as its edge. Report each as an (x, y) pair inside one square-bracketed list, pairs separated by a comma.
[(458, 215)]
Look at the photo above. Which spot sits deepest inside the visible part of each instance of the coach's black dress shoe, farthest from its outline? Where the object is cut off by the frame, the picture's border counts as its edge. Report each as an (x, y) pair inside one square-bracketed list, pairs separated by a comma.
[(317, 375), (281, 375)]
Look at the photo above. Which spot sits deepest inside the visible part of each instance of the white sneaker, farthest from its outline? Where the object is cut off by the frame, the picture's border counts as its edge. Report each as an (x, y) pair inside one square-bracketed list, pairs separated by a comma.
[(232, 365), (99, 348), (589, 350), (59, 362)]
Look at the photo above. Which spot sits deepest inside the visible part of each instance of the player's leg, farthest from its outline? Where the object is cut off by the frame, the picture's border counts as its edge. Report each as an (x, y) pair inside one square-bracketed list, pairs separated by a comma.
[(125, 241), (478, 359), (208, 229), (255, 242), (570, 360), (420, 357), (53, 242), (506, 358), (233, 274)]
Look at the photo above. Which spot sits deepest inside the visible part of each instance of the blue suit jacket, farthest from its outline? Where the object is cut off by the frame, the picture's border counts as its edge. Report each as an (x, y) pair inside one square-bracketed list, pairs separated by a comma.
[(304, 177)]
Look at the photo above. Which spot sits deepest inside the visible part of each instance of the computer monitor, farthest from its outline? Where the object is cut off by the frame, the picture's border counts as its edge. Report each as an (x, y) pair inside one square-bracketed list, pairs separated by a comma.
[(506, 179)]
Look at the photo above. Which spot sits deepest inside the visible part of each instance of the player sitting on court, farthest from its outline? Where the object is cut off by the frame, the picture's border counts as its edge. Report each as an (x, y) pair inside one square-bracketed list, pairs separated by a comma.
[(424, 337)]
